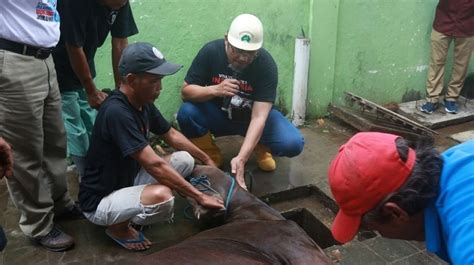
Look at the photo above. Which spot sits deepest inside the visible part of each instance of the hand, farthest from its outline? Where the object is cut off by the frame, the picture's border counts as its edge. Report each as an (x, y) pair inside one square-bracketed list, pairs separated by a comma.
[(6, 159), (227, 88), (210, 202), (96, 98), (237, 165)]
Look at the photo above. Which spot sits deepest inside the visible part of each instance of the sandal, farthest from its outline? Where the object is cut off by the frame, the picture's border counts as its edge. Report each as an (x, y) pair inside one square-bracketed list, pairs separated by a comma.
[(124, 242)]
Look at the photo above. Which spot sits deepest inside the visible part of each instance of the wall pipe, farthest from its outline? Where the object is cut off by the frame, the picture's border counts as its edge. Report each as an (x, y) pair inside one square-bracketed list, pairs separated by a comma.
[(300, 81)]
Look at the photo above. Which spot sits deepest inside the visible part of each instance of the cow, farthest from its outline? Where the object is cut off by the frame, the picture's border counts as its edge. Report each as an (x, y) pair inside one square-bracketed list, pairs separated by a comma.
[(252, 232)]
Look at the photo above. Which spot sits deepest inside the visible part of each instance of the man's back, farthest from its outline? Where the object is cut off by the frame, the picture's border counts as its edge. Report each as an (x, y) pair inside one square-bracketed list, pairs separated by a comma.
[(450, 222)]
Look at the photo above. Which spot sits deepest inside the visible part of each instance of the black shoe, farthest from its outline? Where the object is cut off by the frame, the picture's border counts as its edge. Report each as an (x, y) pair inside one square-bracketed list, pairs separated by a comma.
[(73, 213), (56, 240)]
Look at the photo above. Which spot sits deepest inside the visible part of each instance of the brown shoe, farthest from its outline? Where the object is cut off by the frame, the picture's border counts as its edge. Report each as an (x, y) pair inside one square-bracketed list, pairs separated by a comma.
[(265, 159), (56, 240)]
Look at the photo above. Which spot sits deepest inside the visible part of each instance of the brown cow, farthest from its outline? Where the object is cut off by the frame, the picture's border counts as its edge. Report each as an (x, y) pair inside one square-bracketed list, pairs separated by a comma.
[(252, 233)]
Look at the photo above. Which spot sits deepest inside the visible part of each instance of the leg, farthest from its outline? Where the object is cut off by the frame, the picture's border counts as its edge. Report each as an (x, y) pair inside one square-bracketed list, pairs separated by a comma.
[(198, 120), (23, 89), (117, 209), (181, 161), (463, 48), (281, 137), (78, 119), (439, 50), (55, 146)]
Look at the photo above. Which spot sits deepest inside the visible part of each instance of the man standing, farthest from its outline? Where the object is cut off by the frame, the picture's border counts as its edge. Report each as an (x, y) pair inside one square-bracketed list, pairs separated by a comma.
[(382, 183), (6, 168), (120, 182), (85, 26), (454, 22), (229, 90), (30, 119)]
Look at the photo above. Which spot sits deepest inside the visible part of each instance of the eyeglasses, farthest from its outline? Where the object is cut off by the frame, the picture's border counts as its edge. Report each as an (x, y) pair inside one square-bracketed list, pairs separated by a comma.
[(247, 55)]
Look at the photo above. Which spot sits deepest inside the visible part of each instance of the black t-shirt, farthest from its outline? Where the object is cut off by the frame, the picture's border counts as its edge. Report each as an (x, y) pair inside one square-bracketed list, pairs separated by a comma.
[(86, 24), (119, 131), (258, 81)]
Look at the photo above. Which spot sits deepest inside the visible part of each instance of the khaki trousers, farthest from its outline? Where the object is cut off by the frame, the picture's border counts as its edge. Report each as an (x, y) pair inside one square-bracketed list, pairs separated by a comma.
[(30, 120), (439, 49)]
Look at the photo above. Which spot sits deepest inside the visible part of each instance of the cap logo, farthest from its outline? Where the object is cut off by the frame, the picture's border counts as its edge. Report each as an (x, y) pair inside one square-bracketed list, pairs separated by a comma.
[(157, 53), (245, 38)]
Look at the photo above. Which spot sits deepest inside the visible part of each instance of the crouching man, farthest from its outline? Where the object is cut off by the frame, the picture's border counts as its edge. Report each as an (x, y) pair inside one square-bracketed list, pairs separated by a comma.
[(404, 191), (125, 181)]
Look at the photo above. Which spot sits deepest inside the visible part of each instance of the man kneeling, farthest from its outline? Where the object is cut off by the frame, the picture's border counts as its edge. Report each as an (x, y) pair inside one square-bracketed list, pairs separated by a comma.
[(125, 180)]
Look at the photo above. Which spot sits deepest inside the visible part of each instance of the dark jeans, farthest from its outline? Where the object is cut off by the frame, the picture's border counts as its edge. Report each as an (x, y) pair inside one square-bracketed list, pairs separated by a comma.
[(282, 137)]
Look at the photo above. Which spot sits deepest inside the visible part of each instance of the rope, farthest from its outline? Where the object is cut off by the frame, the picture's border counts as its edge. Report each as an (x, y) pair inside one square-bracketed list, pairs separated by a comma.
[(202, 184), (229, 193)]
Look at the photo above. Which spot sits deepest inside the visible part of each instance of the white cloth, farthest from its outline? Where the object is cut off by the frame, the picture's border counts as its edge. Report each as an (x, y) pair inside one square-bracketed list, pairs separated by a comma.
[(31, 22)]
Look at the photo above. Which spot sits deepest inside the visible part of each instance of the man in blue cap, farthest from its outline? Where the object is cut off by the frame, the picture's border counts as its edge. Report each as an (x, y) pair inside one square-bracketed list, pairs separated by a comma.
[(125, 180)]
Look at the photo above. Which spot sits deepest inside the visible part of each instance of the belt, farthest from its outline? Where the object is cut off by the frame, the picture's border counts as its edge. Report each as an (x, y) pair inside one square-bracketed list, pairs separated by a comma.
[(20, 48)]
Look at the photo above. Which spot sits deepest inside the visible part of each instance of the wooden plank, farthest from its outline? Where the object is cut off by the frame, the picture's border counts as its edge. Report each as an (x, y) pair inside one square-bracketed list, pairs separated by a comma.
[(397, 118), (366, 123)]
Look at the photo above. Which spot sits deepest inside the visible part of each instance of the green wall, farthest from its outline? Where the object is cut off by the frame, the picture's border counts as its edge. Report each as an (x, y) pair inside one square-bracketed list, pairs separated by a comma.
[(179, 28), (376, 49)]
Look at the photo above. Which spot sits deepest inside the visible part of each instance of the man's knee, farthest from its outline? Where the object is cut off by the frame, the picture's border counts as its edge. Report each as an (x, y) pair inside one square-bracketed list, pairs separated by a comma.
[(295, 146), (289, 147), (154, 213), (186, 112), (157, 194), (182, 162)]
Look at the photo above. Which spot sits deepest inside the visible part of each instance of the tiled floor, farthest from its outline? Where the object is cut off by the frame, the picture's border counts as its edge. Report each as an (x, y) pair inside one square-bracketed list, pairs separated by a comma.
[(322, 142)]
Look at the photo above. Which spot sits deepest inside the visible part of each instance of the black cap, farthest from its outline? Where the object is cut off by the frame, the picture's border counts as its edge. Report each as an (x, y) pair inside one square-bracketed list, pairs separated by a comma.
[(143, 57)]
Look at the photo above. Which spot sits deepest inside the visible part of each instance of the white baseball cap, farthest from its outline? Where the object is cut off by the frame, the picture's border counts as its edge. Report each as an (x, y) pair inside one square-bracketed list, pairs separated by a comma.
[(246, 32)]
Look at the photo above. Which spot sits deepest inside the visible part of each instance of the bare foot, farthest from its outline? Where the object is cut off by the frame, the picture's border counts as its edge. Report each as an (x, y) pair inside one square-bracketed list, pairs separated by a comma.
[(128, 237)]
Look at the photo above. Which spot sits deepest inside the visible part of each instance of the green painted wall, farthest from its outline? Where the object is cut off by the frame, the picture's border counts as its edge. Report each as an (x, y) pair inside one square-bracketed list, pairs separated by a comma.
[(376, 49), (179, 28)]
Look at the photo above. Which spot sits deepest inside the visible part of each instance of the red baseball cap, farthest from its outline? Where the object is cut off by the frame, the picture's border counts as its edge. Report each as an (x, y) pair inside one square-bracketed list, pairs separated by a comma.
[(366, 169)]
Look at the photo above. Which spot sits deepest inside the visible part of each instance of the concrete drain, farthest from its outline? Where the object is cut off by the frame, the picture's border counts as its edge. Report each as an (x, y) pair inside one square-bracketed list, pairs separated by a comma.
[(312, 226), (312, 210)]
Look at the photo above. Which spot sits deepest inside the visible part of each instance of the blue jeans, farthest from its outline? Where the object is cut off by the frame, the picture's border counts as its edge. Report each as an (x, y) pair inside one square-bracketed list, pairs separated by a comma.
[(282, 137)]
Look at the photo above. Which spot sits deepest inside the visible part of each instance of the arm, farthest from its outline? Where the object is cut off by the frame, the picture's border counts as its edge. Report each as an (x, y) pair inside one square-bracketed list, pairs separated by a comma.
[(197, 93), (81, 69), (6, 159), (260, 111), (166, 175), (178, 141), (118, 44)]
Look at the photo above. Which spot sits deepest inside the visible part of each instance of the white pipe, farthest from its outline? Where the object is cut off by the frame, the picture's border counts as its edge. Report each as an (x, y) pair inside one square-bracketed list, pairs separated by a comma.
[(300, 81)]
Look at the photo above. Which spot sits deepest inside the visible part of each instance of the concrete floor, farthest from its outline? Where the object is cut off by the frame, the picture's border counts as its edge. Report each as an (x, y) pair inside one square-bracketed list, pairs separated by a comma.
[(323, 139)]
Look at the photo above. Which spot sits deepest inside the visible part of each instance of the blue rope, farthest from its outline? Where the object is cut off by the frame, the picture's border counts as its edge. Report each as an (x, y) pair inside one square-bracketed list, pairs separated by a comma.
[(205, 185), (229, 193)]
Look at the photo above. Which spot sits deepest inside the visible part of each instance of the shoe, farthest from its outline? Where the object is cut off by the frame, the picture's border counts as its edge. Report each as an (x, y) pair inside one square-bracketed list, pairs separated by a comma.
[(56, 240), (451, 107), (265, 159), (207, 145), (428, 107), (73, 213)]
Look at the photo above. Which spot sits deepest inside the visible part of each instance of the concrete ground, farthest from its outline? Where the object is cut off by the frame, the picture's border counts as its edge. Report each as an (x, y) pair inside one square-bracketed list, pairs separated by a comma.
[(323, 138)]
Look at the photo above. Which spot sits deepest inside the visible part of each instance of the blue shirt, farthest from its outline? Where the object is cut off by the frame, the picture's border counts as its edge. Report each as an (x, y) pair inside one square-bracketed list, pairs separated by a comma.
[(449, 218)]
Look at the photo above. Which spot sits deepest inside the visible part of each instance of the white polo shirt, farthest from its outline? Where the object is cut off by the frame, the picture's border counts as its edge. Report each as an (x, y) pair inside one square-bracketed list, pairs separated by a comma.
[(32, 22)]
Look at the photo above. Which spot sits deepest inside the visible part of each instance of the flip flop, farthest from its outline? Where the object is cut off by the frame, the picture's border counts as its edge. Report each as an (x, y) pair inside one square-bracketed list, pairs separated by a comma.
[(124, 242)]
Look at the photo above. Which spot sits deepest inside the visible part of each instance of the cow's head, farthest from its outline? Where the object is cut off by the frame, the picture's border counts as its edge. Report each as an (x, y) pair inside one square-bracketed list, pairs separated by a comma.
[(213, 182)]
